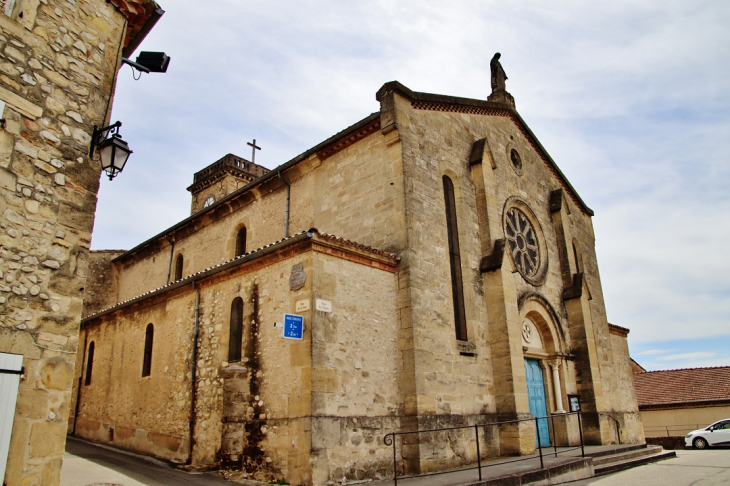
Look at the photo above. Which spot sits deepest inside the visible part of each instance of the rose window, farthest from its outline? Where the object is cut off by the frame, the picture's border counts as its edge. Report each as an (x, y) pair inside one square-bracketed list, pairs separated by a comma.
[(522, 242)]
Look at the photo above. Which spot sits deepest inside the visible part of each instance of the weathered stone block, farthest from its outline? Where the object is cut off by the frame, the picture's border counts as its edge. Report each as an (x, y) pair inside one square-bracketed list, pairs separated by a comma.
[(47, 439)]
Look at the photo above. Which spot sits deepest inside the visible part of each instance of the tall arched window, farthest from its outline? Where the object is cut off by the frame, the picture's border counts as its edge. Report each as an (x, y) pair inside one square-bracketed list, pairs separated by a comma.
[(241, 242), (178, 267), (457, 291), (236, 330), (89, 363), (147, 361)]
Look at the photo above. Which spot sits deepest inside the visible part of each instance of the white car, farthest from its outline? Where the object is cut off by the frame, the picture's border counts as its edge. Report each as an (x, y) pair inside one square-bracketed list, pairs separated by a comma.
[(714, 435)]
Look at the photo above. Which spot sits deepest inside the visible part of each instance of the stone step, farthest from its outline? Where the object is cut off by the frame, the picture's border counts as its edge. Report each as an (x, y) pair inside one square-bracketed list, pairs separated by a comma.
[(616, 450), (626, 454), (623, 464)]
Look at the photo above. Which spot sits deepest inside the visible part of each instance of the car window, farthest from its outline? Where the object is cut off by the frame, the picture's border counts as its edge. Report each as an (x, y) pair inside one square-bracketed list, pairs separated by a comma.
[(721, 426)]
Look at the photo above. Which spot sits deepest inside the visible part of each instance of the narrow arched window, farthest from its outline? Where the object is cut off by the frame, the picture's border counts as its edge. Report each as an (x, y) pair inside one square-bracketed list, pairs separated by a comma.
[(236, 330), (89, 363), (457, 291), (147, 361), (241, 242), (178, 267)]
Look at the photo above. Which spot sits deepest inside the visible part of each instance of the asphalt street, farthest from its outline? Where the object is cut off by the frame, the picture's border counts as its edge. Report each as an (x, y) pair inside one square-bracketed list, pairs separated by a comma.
[(690, 467), (87, 464)]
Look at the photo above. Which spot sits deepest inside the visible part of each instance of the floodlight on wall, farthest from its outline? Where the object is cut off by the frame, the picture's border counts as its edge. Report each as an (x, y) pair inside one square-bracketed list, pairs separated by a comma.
[(113, 150), (156, 62), (149, 62)]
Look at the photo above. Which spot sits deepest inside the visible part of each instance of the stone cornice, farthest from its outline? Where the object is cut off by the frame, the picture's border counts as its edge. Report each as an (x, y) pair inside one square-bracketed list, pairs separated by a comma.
[(218, 176), (618, 330), (354, 252), (350, 139)]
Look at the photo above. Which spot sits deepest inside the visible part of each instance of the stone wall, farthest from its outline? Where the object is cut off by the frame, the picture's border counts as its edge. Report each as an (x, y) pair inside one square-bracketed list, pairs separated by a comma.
[(620, 390), (355, 361), (100, 291), (267, 413), (362, 206), (57, 67)]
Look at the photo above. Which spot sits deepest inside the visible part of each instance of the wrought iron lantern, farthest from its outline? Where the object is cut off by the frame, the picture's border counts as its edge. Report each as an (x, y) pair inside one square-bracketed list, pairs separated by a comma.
[(113, 150)]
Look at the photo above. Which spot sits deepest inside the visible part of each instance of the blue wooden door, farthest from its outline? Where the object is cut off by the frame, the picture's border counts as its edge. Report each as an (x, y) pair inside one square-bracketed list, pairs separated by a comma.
[(536, 397)]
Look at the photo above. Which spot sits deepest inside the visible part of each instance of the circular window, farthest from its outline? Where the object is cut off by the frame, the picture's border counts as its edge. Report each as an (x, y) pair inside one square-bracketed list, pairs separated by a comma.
[(524, 246), (514, 156)]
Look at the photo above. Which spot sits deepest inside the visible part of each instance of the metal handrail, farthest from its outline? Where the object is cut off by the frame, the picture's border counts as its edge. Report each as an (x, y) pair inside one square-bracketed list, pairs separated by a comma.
[(618, 425), (389, 440)]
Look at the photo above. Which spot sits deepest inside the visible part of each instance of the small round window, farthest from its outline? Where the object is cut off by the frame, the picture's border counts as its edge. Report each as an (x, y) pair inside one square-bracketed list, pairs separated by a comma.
[(514, 156)]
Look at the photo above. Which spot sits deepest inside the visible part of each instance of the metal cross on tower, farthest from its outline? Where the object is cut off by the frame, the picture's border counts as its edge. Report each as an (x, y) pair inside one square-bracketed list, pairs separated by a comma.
[(254, 148)]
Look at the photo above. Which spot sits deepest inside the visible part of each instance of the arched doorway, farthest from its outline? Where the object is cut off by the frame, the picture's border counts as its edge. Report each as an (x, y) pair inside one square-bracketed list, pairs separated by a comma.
[(543, 346)]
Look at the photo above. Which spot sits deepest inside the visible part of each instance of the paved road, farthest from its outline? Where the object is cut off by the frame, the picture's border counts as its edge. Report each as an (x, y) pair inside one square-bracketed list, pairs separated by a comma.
[(86, 464), (689, 468)]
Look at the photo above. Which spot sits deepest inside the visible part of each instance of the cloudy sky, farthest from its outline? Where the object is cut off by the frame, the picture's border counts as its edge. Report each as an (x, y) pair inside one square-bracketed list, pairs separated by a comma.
[(631, 98)]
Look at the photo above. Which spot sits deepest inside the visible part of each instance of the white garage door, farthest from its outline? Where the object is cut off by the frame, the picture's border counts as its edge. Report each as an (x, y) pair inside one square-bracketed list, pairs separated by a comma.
[(10, 370)]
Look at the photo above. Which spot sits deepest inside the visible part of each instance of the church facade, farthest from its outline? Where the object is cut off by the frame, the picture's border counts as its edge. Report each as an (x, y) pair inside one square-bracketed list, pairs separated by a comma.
[(443, 269)]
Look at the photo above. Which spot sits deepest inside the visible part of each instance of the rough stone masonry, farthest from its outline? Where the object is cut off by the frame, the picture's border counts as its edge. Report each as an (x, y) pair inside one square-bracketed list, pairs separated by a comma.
[(58, 62)]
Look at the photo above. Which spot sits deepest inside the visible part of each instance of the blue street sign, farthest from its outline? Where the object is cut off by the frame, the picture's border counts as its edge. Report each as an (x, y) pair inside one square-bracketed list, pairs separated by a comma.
[(293, 326)]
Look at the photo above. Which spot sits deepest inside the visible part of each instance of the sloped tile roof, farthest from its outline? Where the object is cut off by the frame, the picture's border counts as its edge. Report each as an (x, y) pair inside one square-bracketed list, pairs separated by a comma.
[(312, 233), (683, 385)]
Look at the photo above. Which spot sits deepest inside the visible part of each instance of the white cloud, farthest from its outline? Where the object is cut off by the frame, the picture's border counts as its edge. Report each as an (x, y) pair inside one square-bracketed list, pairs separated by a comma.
[(687, 356), (651, 352)]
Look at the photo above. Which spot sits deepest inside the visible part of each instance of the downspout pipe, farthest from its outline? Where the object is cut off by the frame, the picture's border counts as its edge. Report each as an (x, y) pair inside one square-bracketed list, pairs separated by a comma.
[(194, 368), (288, 198), (172, 252)]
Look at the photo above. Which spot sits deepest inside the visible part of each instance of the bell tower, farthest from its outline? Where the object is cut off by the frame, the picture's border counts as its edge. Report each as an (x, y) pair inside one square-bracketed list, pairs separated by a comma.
[(221, 178)]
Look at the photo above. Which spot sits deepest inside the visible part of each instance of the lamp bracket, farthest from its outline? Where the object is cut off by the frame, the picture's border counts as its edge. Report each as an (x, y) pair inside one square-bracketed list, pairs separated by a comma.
[(135, 65), (101, 134)]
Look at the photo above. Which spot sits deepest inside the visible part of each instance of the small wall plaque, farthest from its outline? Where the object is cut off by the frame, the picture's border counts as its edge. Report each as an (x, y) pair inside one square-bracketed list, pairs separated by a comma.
[(324, 305), (297, 277), (302, 305)]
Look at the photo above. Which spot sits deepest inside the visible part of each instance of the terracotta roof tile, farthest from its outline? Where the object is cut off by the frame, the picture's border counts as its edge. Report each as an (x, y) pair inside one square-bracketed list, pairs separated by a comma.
[(683, 385), (354, 244)]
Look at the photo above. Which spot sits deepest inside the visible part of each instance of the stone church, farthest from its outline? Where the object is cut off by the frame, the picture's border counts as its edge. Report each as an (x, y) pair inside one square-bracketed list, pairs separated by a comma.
[(429, 266)]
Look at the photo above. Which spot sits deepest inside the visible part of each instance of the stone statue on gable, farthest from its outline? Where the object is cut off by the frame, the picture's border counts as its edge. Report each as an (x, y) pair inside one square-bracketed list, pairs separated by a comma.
[(499, 93)]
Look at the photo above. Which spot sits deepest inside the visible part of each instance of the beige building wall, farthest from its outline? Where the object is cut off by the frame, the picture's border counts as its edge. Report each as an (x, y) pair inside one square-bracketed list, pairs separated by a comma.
[(58, 62), (283, 402), (679, 420)]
